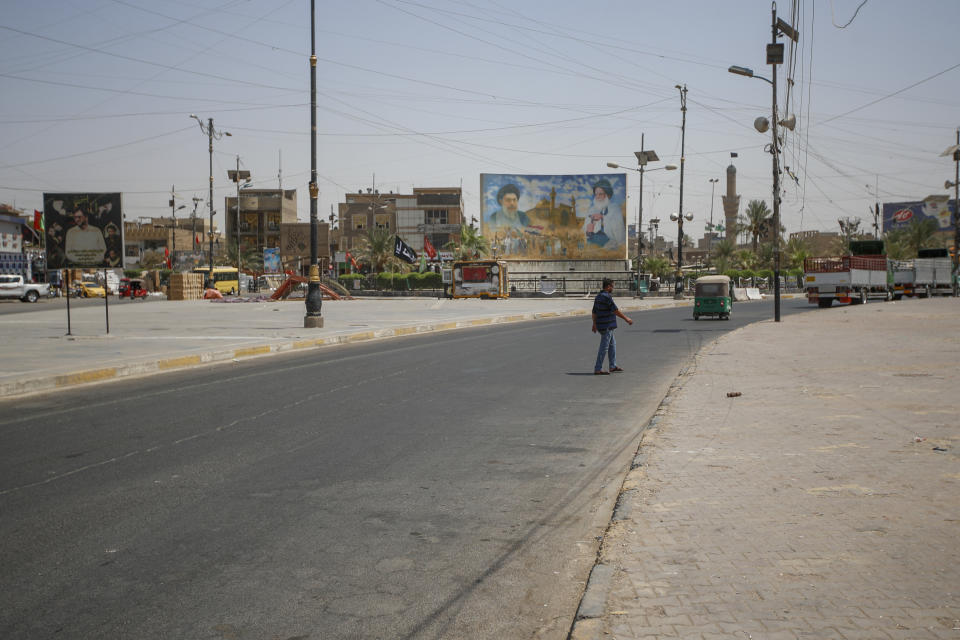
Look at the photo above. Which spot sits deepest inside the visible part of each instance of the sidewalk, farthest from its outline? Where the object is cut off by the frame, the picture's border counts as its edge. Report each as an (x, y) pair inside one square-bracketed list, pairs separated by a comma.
[(823, 501), (153, 336)]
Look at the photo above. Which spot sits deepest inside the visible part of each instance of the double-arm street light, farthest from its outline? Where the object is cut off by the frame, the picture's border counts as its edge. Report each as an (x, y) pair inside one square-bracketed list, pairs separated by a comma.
[(774, 58), (713, 185), (211, 133), (643, 157)]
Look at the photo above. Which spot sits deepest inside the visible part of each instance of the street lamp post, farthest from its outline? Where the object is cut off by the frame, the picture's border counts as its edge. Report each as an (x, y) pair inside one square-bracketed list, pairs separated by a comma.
[(314, 301), (955, 263), (713, 185), (678, 288), (774, 58), (643, 157), (236, 175), (211, 134)]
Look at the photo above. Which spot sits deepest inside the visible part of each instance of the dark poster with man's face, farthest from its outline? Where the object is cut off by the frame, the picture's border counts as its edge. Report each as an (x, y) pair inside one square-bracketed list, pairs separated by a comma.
[(84, 230)]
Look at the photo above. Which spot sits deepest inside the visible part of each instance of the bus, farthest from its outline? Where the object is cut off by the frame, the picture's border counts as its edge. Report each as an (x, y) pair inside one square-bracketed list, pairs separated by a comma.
[(225, 279)]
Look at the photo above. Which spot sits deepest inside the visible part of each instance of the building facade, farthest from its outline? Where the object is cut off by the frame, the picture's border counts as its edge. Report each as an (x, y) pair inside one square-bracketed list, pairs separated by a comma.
[(260, 215), (432, 213)]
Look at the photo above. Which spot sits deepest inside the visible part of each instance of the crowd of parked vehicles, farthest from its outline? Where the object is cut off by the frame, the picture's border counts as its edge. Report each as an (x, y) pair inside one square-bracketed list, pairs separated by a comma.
[(869, 274)]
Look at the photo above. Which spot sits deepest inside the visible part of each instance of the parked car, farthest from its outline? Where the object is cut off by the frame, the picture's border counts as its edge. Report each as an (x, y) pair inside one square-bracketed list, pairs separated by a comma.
[(13, 286), (90, 290)]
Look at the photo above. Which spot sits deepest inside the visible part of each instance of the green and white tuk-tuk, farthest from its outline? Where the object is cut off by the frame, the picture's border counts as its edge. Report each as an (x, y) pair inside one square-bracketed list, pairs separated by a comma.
[(712, 297)]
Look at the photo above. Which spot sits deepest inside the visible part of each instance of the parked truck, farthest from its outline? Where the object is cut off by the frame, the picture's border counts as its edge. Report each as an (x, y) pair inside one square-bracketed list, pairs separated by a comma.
[(924, 276), (852, 279), (13, 286)]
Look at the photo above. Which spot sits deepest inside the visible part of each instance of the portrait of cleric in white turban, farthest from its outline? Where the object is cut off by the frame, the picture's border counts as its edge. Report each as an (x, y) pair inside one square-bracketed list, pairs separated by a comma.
[(554, 217)]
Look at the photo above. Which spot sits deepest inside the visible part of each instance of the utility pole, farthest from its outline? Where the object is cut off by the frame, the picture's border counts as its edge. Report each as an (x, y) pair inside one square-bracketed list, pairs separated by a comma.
[(173, 212), (956, 219), (678, 288), (211, 134)]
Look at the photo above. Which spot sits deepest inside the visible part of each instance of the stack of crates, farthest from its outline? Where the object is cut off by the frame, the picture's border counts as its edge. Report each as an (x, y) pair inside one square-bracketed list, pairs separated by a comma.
[(185, 286)]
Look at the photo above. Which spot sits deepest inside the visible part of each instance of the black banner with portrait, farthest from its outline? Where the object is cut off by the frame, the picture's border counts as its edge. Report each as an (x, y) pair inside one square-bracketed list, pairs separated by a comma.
[(84, 230)]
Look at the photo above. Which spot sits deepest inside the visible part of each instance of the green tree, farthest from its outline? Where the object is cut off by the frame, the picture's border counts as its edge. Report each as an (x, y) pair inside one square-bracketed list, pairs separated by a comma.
[(745, 259), (919, 234), (756, 220), (897, 246), (470, 245), (723, 255), (849, 230), (252, 259), (657, 266), (765, 256), (376, 251), (795, 252)]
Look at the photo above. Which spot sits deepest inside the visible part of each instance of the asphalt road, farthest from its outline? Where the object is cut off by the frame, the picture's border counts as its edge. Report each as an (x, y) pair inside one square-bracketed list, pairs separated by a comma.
[(441, 486)]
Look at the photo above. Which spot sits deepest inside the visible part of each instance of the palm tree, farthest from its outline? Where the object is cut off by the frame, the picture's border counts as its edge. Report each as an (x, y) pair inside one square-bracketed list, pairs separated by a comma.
[(796, 252), (723, 254), (745, 259), (756, 220), (376, 250), (471, 245), (657, 267), (919, 233), (251, 258), (896, 245)]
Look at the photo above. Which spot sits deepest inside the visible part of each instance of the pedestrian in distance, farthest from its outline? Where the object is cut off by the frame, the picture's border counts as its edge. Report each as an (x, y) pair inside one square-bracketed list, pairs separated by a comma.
[(605, 314)]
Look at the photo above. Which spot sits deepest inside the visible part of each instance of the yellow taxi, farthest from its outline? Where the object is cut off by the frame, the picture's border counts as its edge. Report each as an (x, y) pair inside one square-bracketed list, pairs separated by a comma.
[(90, 290)]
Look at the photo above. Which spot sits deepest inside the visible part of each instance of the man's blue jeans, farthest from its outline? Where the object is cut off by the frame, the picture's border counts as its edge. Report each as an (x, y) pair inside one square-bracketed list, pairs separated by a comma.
[(608, 346)]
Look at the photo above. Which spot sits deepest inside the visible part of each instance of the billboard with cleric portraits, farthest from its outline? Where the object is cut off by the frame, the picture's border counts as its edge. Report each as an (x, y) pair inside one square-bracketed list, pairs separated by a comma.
[(555, 217)]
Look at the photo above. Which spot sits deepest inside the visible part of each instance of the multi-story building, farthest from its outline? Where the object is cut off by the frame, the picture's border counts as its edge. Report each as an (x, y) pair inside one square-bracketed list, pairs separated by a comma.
[(13, 258), (261, 213), (435, 213), (184, 240)]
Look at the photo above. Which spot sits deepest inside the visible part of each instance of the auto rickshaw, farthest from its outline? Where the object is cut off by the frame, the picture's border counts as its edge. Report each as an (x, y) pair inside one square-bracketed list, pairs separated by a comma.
[(132, 288), (712, 297)]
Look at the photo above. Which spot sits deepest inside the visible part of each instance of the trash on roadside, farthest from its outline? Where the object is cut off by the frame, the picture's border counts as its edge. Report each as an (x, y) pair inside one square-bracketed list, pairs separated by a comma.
[(918, 439), (734, 394), (939, 449)]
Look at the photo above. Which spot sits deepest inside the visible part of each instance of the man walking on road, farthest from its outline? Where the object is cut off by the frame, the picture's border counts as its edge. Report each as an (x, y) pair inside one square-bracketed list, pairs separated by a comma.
[(605, 314)]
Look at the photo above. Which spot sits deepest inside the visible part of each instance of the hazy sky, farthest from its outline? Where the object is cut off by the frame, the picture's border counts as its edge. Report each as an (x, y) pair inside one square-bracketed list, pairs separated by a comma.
[(96, 96)]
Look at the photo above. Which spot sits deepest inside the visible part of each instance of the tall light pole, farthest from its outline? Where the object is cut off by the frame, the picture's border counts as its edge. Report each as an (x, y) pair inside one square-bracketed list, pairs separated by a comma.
[(211, 134), (955, 266), (236, 176), (774, 58), (713, 185), (678, 288), (314, 301), (643, 157)]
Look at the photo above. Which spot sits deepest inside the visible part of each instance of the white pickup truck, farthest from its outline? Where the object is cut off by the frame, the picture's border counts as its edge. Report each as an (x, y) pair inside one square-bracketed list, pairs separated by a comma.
[(13, 286)]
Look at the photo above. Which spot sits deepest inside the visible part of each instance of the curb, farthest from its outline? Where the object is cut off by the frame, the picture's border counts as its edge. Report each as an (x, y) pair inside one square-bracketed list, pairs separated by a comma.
[(31, 386), (588, 623)]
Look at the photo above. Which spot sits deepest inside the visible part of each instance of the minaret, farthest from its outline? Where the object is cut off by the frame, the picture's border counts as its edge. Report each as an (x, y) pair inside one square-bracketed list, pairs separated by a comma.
[(731, 204)]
